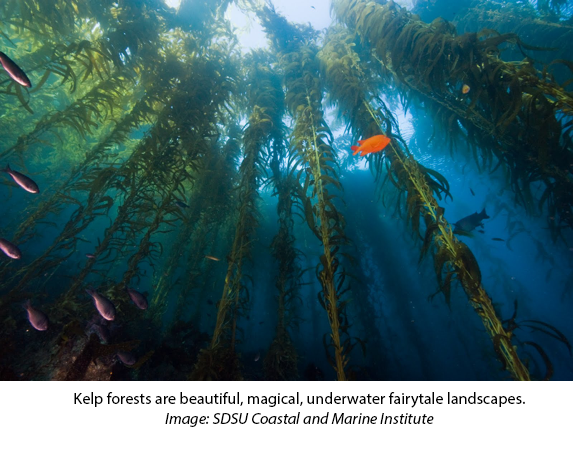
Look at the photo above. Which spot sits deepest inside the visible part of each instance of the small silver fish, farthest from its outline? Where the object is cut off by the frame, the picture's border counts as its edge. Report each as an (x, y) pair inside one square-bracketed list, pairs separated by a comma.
[(90, 256), (14, 70), (127, 358), (104, 306), (257, 357), (37, 319), (23, 181), (9, 249), (138, 298)]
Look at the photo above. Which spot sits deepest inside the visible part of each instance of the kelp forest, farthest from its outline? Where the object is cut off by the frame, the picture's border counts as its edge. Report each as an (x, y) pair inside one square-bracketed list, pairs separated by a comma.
[(176, 206)]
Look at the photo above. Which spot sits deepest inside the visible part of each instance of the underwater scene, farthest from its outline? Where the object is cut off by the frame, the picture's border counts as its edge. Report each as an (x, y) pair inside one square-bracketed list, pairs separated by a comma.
[(286, 190)]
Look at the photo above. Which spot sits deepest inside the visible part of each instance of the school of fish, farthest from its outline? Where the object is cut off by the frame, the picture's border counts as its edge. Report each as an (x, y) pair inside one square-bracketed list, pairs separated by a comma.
[(105, 307)]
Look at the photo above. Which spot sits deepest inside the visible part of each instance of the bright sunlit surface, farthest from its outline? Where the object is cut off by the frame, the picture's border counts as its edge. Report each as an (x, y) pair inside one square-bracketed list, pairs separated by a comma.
[(173, 3), (251, 34)]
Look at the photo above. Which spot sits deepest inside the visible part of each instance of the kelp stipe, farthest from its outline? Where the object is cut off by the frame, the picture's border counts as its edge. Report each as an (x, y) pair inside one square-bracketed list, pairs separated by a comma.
[(234, 299), (312, 153), (511, 113), (420, 184)]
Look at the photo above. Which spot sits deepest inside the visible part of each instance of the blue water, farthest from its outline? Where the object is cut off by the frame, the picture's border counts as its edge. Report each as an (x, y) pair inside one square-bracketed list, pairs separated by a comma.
[(402, 325)]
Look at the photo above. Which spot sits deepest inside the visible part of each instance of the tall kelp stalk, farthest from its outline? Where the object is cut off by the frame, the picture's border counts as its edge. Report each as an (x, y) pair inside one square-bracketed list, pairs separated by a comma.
[(82, 115), (366, 114), (92, 108), (217, 203), (169, 151), (93, 177), (90, 175), (166, 214), (280, 363), (141, 179), (266, 91), (207, 205), (312, 155), (219, 361), (511, 112), (141, 112), (72, 49), (96, 177)]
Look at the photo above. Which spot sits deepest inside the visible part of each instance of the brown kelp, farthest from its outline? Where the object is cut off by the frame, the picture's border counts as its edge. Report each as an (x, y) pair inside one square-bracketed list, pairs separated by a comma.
[(511, 113), (234, 298), (312, 153), (156, 141), (523, 20), (280, 362), (452, 258)]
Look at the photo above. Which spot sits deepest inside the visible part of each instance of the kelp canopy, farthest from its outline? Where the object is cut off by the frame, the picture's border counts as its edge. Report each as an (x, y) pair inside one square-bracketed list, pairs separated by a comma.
[(208, 194)]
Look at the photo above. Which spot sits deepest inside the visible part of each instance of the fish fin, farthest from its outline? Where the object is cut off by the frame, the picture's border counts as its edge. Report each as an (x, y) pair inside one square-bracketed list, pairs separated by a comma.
[(362, 141)]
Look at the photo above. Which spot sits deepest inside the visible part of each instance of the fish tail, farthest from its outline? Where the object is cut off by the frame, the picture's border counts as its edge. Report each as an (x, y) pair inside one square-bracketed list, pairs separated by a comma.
[(485, 215), (7, 168), (354, 148), (90, 292), (27, 304)]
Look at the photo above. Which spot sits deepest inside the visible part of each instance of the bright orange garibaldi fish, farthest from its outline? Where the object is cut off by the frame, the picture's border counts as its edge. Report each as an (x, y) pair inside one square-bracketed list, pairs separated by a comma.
[(373, 144)]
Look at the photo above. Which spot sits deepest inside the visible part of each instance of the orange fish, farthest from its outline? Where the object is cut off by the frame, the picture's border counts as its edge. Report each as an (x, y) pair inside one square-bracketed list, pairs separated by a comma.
[(373, 144), (465, 89)]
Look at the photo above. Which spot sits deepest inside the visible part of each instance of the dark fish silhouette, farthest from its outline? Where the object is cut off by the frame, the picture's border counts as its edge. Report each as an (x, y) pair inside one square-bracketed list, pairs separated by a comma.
[(9, 249), (23, 181), (127, 358), (497, 239), (181, 204), (37, 319), (104, 306), (469, 223), (138, 298), (481, 231), (472, 191), (14, 70), (102, 332)]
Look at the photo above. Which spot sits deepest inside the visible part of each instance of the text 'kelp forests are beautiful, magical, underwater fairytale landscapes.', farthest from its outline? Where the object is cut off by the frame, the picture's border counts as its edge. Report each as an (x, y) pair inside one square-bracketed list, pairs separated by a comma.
[(388, 198)]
